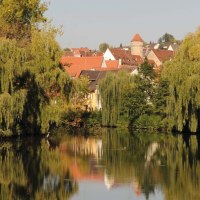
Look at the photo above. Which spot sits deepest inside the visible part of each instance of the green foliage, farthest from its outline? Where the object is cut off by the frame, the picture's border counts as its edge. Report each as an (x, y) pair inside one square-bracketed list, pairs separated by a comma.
[(34, 90), (161, 95), (125, 97), (166, 39), (80, 90), (92, 118), (12, 98), (52, 83), (11, 110), (103, 47), (67, 49), (112, 90), (135, 101), (183, 75), (75, 108), (139, 99), (148, 122), (146, 70), (17, 18), (11, 64)]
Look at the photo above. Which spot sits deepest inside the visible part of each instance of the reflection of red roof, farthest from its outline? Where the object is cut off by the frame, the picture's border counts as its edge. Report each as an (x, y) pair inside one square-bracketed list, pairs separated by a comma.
[(79, 176), (112, 64), (74, 65), (137, 38), (163, 55)]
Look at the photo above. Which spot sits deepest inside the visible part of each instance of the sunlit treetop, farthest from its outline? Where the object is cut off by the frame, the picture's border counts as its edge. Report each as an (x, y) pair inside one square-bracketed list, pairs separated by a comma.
[(183, 74), (18, 17)]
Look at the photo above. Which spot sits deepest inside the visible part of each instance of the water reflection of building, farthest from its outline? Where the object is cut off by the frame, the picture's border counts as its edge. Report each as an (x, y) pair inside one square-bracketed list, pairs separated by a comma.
[(111, 182), (89, 147), (82, 146), (151, 152), (136, 187), (92, 175), (86, 164), (51, 182), (84, 155)]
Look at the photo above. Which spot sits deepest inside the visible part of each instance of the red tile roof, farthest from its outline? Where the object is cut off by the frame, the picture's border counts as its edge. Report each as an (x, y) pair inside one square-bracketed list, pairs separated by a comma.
[(126, 57), (97, 53), (151, 62), (137, 38), (163, 55), (74, 65), (68, 54), (78, 53), (95, 76), (85, 49), (112, 64)]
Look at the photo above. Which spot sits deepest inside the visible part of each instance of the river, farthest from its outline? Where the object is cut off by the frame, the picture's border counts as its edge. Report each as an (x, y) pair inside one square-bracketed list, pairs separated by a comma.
[(101, 164)]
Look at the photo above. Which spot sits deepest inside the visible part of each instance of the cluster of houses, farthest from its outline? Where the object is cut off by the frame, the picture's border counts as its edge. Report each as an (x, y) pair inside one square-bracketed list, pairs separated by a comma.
[(83, 62)]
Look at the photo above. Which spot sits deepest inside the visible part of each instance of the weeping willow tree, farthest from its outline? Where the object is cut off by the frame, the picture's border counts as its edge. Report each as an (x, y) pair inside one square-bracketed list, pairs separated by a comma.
[(34, 89), (50, 84), (183, 75), (126, 98), (112, 90), (12, 97)]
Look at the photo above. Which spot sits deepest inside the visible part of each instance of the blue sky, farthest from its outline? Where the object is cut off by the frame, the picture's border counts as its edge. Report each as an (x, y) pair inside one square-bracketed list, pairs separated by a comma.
[(91, 22)]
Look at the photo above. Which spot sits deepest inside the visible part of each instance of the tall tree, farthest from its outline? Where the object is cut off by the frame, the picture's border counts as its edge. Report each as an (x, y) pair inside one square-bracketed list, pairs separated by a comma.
[(127, 96), (12, 96), (166, 38), (34, 89), (139, 99), (18, 17), (103, 47), (183, 75), (50, 84), (112, 91), (80, 91)]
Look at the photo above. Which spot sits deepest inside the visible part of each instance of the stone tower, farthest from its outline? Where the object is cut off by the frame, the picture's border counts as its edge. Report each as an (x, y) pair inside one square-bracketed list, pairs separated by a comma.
[(137, 46)]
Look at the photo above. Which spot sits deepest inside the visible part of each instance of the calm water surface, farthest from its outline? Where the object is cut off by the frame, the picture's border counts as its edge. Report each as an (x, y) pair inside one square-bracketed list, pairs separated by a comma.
[(111, 164)]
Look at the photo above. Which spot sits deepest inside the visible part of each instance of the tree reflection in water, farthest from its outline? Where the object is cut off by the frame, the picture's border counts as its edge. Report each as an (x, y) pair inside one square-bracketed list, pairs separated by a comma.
[(147, 162), (33, 171)]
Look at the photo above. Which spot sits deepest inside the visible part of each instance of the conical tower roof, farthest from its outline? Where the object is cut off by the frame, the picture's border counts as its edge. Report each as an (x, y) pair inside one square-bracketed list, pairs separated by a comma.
[(137, 38)]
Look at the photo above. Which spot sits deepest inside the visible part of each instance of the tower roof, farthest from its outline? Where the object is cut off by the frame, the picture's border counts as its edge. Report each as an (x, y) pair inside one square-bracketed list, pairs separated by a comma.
[(137, 38)]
